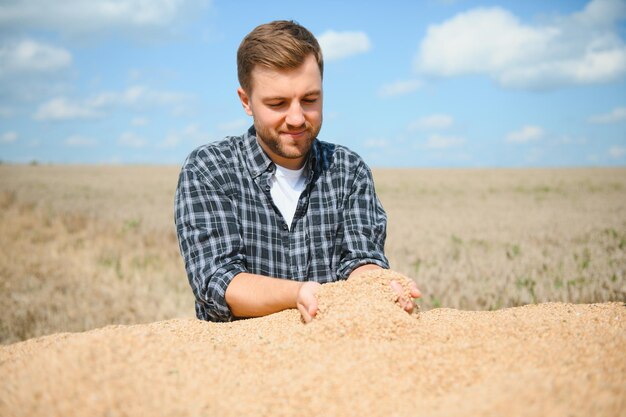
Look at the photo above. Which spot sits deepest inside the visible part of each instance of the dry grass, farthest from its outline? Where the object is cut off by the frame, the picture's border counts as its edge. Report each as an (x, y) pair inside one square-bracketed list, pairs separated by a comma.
[(83, 247), (488, 239)]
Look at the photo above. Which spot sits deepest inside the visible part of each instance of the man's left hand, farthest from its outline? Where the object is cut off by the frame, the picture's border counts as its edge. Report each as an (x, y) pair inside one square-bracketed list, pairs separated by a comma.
[(405, 302)]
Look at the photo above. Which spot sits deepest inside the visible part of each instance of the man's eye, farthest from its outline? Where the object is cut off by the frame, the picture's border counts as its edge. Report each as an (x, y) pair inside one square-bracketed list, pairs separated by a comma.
[(310, 100), (275, 105)]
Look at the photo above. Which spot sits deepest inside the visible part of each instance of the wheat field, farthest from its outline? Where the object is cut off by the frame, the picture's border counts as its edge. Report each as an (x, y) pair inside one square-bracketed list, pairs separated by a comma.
[(88, 246)]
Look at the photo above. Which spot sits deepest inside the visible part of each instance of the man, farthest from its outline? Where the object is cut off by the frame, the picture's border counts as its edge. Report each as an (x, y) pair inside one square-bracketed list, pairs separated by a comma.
[(265, 218)]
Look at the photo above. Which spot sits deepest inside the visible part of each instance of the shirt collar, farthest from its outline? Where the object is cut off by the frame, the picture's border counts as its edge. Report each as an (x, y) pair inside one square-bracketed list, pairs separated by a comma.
[(258, 162)]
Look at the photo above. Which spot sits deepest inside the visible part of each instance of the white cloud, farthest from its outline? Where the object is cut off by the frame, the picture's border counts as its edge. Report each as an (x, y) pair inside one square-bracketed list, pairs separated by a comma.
[(172, 140), (80, 141), (594, 158), (131, 140), (80, 17), (191, 134), (376, 143), (525, 134), (195, 135), (618, 114), (399, 88), (136, 95), (8, 137), (617, 151), (432, 122), (139, 121), (442, 142), (29, 56), (6, 112), (601, 12), (570, 140), (235, 126), (582, 48), (338, 45), (62, 109)]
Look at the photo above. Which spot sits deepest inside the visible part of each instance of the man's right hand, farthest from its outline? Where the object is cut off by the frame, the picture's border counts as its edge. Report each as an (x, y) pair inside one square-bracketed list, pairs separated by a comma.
[(307, 300)]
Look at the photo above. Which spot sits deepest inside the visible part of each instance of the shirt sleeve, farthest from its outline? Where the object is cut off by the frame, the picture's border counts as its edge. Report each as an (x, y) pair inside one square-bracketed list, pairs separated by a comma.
[(209, 242), (365, 226)]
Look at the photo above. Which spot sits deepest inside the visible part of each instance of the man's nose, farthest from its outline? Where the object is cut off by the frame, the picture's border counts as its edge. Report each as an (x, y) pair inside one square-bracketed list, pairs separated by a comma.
[(295, 115)]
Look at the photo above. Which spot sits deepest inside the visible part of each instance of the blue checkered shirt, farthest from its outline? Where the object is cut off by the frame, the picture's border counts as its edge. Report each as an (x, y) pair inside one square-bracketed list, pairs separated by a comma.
[(227, 222)]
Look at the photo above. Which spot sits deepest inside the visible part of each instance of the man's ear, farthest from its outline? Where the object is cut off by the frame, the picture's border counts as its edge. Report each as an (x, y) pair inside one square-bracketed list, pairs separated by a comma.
[(245, 101)]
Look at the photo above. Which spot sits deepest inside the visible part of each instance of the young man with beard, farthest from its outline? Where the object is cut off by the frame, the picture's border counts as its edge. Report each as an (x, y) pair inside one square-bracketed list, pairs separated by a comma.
[(263, 219)]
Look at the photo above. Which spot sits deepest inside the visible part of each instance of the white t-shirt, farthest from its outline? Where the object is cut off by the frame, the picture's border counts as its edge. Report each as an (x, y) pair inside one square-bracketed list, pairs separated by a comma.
[(287, 185)]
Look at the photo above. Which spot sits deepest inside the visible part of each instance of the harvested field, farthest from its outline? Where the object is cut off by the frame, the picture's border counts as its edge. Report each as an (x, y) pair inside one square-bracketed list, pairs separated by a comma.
[(362, 356), (89, 247)]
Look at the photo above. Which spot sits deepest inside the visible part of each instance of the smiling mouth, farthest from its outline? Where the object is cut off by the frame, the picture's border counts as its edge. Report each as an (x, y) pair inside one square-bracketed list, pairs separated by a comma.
[(298, 133)]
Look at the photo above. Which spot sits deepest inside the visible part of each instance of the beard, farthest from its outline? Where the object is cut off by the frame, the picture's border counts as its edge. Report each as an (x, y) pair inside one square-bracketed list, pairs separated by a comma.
[(285, 147)]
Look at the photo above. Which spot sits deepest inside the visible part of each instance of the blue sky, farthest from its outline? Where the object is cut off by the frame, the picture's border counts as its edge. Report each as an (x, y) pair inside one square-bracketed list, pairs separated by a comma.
[(407, 83)]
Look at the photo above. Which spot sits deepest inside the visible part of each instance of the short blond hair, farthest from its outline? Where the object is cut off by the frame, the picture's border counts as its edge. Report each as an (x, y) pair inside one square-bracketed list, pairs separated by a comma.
[(281, 44)]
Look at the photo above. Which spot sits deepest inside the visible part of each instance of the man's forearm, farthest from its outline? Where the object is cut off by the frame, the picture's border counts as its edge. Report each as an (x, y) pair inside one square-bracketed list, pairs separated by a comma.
[(364, 268), (251, 295)]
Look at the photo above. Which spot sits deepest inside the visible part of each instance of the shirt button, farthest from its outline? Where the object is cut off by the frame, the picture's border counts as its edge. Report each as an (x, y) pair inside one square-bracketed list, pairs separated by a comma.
[(285, 226), (267, 188)]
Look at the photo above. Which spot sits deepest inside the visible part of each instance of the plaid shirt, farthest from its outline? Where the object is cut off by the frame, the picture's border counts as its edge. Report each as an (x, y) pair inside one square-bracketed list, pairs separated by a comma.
[(227, 223)]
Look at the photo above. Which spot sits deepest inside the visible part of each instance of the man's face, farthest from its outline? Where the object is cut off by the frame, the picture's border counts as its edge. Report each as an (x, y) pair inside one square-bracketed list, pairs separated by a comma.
[(287, 109)]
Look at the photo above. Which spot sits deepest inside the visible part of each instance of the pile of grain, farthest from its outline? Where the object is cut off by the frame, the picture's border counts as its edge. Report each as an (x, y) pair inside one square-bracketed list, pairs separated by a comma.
[(363, 355)]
